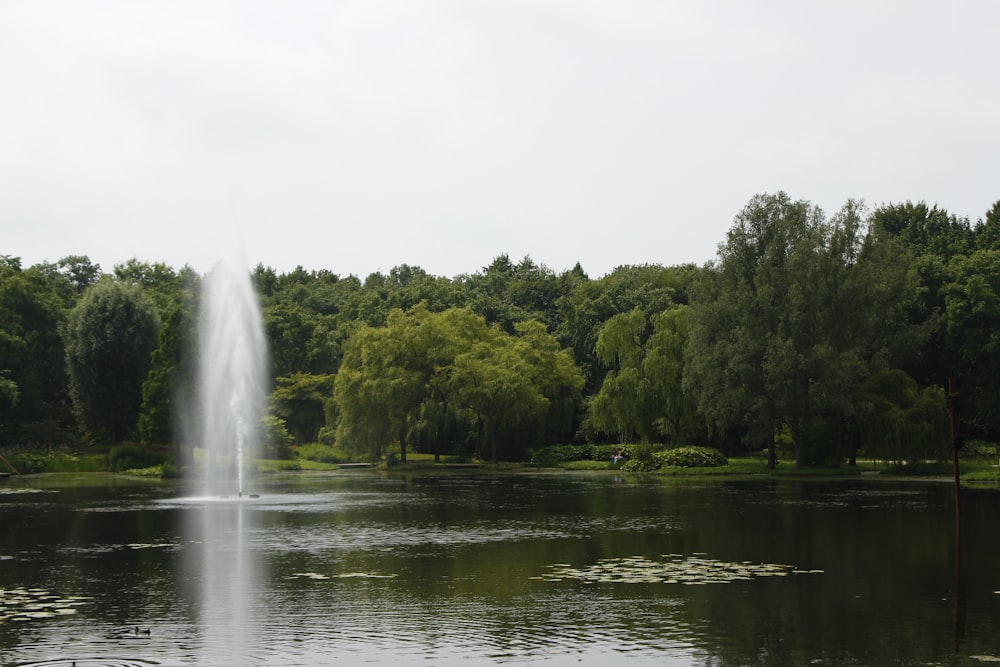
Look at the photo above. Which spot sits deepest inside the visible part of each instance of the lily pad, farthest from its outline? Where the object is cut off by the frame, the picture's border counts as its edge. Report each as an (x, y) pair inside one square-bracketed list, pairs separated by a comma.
[(28, 604), (693, 570)]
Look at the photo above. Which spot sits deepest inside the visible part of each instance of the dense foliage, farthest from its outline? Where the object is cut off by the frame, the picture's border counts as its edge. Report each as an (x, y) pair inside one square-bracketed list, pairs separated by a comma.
[(691, 457), (110, 335), (819, 338)]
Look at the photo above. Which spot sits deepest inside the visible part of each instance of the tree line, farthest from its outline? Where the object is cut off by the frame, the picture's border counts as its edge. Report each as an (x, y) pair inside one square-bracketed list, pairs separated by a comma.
[(823, 336)]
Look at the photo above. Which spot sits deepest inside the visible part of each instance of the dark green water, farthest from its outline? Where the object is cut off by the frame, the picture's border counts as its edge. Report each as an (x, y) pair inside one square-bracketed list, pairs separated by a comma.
[(474, 569)]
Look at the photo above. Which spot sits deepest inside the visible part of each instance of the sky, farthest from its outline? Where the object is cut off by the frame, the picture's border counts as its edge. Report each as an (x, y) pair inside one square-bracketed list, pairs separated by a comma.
[(357, 135)]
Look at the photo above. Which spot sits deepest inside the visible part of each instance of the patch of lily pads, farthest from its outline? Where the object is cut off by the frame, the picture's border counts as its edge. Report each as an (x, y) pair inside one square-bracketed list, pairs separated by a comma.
[(673, 569), (29, 604)]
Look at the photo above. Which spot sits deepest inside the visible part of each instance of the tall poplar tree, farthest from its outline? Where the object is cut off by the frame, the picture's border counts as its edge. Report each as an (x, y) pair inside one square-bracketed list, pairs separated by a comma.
[(109, 338)]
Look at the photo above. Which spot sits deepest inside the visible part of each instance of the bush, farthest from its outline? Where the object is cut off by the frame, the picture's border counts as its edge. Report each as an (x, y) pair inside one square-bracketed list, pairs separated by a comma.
[(321, 453), (277, 439), (26, 463), (549, 456), (554, 454), (154, 471), (979, 449), (605, 452), (691, 457), (642, 459), (641, 465), (130, 457), (585, 465), (58, 459)]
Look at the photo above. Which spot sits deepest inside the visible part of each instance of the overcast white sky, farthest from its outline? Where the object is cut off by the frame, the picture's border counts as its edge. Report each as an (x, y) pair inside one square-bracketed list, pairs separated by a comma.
[(357, 135)]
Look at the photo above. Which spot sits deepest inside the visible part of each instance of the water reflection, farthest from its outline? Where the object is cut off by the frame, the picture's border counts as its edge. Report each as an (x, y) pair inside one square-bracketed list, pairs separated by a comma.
[(222, 573)]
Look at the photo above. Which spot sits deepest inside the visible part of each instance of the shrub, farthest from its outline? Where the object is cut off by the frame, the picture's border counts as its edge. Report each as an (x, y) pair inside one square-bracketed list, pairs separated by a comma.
[(549, 456), (641, 465), (691, 457), (129, 457), (154, 471), (321, 453), (641, 459), (57, 459), (555, 454), (605, 452), (978, 449), (27, 463), (585, 465), (277, 439)]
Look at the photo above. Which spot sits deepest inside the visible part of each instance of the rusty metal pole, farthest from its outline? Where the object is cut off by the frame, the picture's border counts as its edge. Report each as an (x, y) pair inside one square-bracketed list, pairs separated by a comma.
[(956, 443), (8, 464)]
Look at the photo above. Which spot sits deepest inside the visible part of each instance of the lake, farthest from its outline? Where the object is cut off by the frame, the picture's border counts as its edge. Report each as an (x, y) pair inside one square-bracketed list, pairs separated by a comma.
[(472, 568)]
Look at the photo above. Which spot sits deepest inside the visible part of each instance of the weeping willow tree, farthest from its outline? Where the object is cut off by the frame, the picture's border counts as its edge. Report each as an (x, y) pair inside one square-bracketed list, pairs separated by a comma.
[(642, 397), (438, 426), (900, 422), (433, 375)]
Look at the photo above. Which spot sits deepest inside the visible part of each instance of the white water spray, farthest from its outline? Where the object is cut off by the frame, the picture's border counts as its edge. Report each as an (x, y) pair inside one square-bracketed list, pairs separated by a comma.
[(231, 375)]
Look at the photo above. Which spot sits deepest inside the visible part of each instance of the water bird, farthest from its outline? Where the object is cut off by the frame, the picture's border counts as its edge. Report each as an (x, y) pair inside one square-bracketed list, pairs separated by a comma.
[(141, 631)]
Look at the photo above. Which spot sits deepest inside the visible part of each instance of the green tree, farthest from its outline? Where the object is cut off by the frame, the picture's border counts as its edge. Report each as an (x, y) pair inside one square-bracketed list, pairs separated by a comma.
[(799, 313), (900, 422), (745, 367), (392, 370), (625, 403), (495, 383), (555, 373), (299, 399), (677, 415), (587, 305), (971, 335), (928, 230), (932, 237), (170, 382), (424, 371), (79, 271), (158, 281), (988, 231), (406, 286), (109, 337), (34, 405), (642, 396)]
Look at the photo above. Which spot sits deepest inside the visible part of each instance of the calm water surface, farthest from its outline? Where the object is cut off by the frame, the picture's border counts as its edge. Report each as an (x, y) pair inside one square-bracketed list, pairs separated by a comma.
[(476, 569)]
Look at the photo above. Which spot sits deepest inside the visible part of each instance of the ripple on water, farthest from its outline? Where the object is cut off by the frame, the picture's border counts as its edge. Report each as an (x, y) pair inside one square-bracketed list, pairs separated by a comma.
[(91, 662), (24, 490), (320, 538)]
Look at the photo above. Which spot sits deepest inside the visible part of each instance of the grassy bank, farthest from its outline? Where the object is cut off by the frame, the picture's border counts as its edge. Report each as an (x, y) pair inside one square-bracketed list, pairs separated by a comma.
[(130, 460)]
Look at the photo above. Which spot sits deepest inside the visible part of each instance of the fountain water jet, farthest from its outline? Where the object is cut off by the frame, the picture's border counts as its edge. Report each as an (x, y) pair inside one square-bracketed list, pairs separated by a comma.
[(231, 375), (231, 381)]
